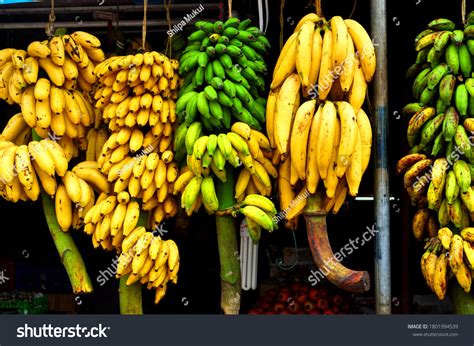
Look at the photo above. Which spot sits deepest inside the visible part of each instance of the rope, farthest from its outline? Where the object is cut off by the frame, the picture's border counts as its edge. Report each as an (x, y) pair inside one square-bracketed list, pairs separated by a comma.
[(280, 263), (229, 4), (319, 10), (353, 9), (282, 22), (169, 45), (50, 26), (145, 4), (463, 11)]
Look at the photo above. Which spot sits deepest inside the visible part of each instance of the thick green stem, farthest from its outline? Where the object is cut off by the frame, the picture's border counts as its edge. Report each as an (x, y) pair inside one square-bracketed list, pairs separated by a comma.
[(228, 249), (67, 249), (130, 297), (463, 302)]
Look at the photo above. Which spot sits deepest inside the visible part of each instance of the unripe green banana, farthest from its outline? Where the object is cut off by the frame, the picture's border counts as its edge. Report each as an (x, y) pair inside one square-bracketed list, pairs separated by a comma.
[(441, 24), (457, 37), (450, 123), (461, 100), (452, 187), (446, 88), (465, 61), (430, 130), (455, 212), (463, 175), (452, 58)]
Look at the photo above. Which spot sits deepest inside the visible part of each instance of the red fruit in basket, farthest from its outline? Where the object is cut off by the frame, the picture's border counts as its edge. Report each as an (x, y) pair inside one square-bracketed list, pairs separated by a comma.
[(283, 296), (271, 293), (346, 308), (324, 292), (285, 312), (279, 307), (322, 304), (265, 306), (301, 297), (336, 309), (269, 313), (295, 286), (294, 307), (308, 306), (313, 294), (337, 300), (256, 311), (314, 312), (328, 312), (304, 288)]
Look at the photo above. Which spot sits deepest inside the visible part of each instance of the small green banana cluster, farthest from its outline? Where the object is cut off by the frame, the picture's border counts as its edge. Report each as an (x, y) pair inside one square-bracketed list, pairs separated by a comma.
[(208, 154), (223, 71), (439, 170), (259, 212)]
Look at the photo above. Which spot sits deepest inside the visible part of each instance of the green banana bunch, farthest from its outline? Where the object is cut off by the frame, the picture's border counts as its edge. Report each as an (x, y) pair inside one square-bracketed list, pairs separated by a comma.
[(223, 69)]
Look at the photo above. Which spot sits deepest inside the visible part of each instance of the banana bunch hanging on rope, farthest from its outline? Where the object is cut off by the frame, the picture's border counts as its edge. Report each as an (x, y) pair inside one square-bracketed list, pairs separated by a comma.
[(137, 90), (66, 61), (26, 167), (223, 69), (314, 112), (137, 96), (147, 258)]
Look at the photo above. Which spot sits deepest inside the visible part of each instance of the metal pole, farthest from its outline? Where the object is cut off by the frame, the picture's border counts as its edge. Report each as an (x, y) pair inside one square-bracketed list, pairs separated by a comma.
[(381, 181)]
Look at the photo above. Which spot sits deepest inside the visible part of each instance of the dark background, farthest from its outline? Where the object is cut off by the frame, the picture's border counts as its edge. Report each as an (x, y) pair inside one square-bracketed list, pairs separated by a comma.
[(25, 238)]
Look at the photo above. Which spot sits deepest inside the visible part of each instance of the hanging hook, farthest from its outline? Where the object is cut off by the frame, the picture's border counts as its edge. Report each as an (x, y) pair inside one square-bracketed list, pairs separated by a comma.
[(50, 26), (279, 262)]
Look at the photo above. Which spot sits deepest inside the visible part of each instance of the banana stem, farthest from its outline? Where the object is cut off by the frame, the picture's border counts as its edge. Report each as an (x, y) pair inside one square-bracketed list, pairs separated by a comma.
[(335, 272), (463, 302), (130, 297), (228, 249), (67, 249)]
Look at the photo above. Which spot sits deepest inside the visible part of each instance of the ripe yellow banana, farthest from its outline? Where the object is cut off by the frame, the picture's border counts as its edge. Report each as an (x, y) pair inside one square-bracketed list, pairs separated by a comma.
[(286, 101), (299, 137)]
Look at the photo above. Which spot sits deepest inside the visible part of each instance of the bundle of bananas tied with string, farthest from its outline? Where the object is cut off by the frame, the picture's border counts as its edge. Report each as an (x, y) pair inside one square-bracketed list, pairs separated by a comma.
[(223, 70), (147, 258), (439, 170), (314, 112)]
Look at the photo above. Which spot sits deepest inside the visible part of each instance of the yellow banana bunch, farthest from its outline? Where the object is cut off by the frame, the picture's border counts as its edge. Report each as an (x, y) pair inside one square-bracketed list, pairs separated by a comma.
[(150, 260), (65, 60), (322, 129)]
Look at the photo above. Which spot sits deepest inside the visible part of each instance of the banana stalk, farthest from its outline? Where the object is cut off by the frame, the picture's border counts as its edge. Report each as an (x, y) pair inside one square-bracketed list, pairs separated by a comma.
[(130, 297), (342, 277), (68, 252), (228, 249), (463, 302), (67, 249)]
